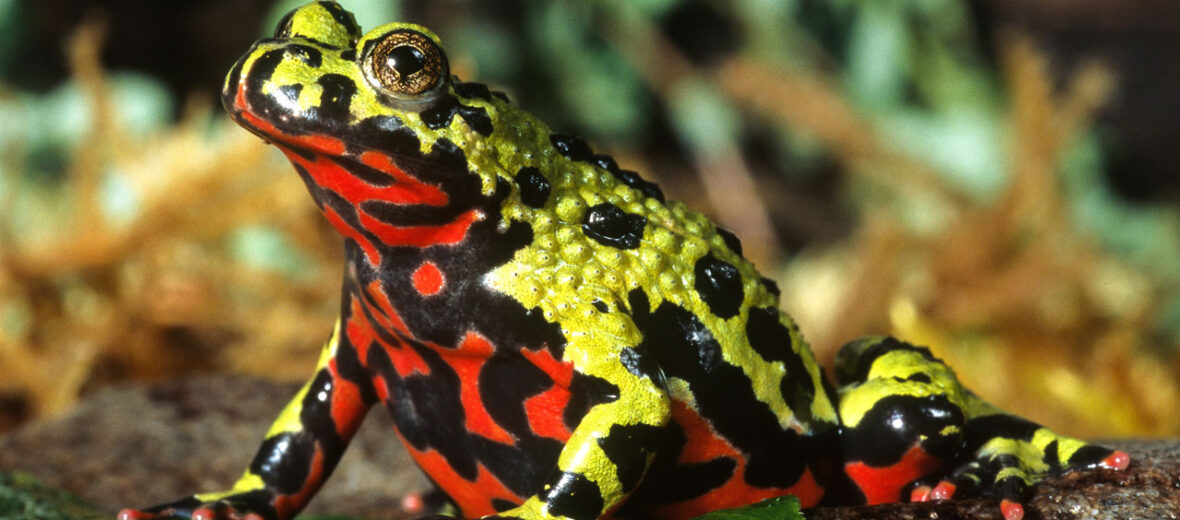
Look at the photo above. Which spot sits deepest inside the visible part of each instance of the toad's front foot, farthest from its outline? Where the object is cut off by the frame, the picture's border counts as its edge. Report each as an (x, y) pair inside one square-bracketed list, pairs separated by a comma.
[(244, 506)]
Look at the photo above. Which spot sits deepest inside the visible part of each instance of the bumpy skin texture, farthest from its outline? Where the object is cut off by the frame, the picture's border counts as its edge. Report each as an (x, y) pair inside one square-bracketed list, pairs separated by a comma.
[(555, 340)]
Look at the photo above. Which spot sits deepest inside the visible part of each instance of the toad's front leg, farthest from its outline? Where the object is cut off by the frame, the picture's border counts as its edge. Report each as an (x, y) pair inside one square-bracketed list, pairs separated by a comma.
[(300, 450), (611, 448)]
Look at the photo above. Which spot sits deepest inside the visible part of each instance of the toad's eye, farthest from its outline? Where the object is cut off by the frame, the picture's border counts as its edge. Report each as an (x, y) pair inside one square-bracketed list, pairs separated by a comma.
[(406, 64)]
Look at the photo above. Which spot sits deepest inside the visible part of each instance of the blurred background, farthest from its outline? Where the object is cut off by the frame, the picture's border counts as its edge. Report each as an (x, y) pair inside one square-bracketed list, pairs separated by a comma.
[(996, 179)]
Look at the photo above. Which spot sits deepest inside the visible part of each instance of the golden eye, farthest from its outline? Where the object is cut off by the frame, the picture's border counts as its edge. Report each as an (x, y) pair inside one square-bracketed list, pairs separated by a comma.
[(407, 63)]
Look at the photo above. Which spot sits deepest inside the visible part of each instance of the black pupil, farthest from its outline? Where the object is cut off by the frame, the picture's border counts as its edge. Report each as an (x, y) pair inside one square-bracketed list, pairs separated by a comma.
[(406, 60)]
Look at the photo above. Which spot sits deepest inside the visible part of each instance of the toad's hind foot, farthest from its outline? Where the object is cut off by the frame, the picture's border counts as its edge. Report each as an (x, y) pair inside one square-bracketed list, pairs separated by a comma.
[(1006, 464)]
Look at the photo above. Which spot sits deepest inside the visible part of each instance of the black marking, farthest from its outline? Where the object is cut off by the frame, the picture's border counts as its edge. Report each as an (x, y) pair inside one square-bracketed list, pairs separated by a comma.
[(477, 118), (683, 347), (600, 305), (283, 28), (315, 417), (767, 335), (979, 430), (854, 361), (473, 90), (230, 90), (348, 54), (410, 214), (629, 448), (342, 17), (586, 392), (720, 286), (260, 72), (771, 340), (310, 56), (919, 378), (639, 363), (505, 382), (284, 461), (672, 482), (501, 505), (606, 162), (1052, 456), (628, 177), (428, 411), (632, 179), (897, 422), (311, 185), (336, 98), (574, 496), (572, 147), (387, 134), (440, 113), (370, 175), (731, 240), (771, 286), (1089, 456), (613, 227), (289, 93), (348, 362), (524, 468)]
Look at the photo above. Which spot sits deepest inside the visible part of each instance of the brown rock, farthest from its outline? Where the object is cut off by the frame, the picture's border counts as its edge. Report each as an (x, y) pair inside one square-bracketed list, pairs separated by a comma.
[(136, 446)]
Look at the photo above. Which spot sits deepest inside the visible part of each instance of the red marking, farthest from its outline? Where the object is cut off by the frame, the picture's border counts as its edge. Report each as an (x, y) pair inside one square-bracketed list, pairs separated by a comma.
[(405, 359), (347, 407), (349, 232), (467, 360), (546, 410), (943, 491), (428, 280), (450, 233), (413, 190), (473, 498), (287, 505), (705, 444), (405, 190), (920, 494), (883, 485), (560, 371), (386, 315), (1118, 460), (1011, 510)]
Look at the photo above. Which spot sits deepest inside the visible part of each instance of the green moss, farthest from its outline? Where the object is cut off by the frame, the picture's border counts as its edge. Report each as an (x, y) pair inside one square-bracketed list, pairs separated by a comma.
[(22, 496)]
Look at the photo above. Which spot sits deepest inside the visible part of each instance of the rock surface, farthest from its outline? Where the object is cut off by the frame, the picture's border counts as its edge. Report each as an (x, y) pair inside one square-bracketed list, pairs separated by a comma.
[(136, 446), (140, 445)]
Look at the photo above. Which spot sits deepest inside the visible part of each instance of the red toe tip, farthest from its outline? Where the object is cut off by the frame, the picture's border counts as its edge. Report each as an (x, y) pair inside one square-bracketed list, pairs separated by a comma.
[(1011, 510), (413, 503), (943, 491), (1117, 460), (920, 494)]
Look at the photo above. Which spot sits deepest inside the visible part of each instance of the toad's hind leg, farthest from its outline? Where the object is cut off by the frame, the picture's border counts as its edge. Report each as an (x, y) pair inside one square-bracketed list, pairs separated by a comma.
[(913, 432), (299, 451)]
